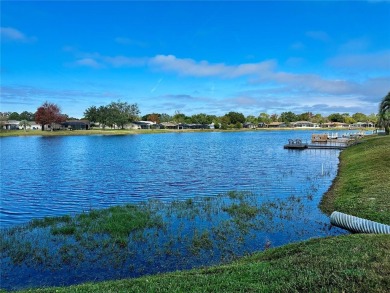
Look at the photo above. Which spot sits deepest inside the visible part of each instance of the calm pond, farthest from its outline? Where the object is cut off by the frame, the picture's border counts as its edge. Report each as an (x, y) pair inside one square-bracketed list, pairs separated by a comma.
[(52, 176)]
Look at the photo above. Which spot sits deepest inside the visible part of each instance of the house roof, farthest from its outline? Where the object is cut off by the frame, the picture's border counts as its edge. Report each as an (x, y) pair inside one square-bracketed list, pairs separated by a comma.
[(297, 122), (168, 124)]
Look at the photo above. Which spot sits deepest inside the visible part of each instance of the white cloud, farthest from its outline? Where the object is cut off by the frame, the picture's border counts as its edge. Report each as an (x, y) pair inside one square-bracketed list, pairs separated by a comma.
[(293, 91), (191, 67), (12, 34)]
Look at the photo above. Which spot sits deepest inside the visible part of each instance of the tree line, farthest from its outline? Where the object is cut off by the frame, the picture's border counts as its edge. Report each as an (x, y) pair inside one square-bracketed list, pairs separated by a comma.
[(118, 114)]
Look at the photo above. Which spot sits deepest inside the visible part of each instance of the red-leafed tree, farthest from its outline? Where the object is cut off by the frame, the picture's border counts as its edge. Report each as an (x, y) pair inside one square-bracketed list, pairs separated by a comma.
[(48, 114)]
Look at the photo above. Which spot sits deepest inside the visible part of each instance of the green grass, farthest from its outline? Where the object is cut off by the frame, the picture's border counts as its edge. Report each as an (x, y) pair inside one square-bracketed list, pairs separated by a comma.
[(353, 263), (117, 221), (362, 187)]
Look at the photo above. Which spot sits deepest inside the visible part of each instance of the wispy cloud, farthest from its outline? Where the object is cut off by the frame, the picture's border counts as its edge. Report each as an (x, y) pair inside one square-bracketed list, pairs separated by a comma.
[(190, 67), (319, 36), (88, 62), (122, 61), (355, 45), (377, 60), (293, 90), (30, 94), (12, 34)]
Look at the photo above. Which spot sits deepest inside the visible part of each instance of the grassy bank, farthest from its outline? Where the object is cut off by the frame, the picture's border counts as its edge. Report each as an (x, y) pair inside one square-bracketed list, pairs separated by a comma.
[(362, 187), (354, 263)]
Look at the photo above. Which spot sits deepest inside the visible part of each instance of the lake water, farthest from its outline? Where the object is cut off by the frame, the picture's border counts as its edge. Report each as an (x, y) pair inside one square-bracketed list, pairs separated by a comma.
[(49, 176)]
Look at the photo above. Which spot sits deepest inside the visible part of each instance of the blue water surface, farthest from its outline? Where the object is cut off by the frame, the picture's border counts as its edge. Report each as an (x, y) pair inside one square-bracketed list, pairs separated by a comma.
[(50, 176)]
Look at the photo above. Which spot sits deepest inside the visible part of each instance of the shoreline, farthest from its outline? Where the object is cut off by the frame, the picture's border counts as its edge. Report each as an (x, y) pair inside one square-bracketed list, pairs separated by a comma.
[(108, 132)]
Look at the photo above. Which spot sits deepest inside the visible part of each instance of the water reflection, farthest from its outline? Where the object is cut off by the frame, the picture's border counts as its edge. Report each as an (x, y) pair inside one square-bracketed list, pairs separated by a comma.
[(62, 175)]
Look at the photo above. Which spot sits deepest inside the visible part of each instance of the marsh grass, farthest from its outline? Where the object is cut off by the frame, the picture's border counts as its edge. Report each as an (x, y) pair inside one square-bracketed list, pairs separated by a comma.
[(150, 237)]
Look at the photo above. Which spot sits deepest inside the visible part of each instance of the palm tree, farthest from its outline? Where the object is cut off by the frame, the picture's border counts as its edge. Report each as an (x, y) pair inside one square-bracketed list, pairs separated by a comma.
[(24, 124), (384, 114)]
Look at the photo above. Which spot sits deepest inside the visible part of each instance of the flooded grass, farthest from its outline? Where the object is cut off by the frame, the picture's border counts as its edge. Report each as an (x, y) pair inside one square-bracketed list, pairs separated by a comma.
[(149, 238)]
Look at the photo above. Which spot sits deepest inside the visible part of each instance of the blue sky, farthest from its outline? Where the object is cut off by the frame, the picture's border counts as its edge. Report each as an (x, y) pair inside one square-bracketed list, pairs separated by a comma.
[(196, 57)]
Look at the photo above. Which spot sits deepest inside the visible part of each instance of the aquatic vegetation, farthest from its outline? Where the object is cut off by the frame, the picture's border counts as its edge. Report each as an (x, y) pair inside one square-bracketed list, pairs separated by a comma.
[(151, 237)]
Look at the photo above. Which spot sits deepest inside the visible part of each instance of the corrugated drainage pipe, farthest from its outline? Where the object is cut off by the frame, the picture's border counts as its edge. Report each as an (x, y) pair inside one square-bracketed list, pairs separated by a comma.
[(358, 225)]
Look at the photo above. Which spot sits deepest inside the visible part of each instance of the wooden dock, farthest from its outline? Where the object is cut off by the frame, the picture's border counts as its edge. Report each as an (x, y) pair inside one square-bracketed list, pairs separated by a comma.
[(304, 146), (297, 144)]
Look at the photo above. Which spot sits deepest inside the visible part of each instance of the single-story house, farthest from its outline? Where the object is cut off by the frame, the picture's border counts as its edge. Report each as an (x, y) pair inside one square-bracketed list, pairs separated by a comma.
[(363, 124), (32, 126), (15, 125), (249, 125), (335, 125), (76, 125), (193, 126), (146, 124), (53, 126), (277, 125), (11, 125), (169, 125), (262, 125), (304, 124)]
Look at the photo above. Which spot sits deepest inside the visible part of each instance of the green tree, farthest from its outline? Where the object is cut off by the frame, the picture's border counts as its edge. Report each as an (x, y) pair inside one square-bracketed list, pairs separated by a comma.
[(317, 118), (121, 113), (202, 118), (92, 114), (359, 117), (25, 115), (235, 117), (14, 116), (307, 116), (264, 117), (179, 117), (24, 124), (384, 114), (164, 117), (373, 118), (288, 117), (336, 117), (349, 120), (251, 119)]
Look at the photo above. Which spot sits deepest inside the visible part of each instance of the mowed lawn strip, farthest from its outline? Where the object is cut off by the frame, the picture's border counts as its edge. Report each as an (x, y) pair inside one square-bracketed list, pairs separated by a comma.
[(362, 186)]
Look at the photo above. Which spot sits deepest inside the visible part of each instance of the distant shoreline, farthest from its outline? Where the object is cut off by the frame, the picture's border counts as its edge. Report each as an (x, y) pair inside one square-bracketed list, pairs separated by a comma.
[(10, 133)]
